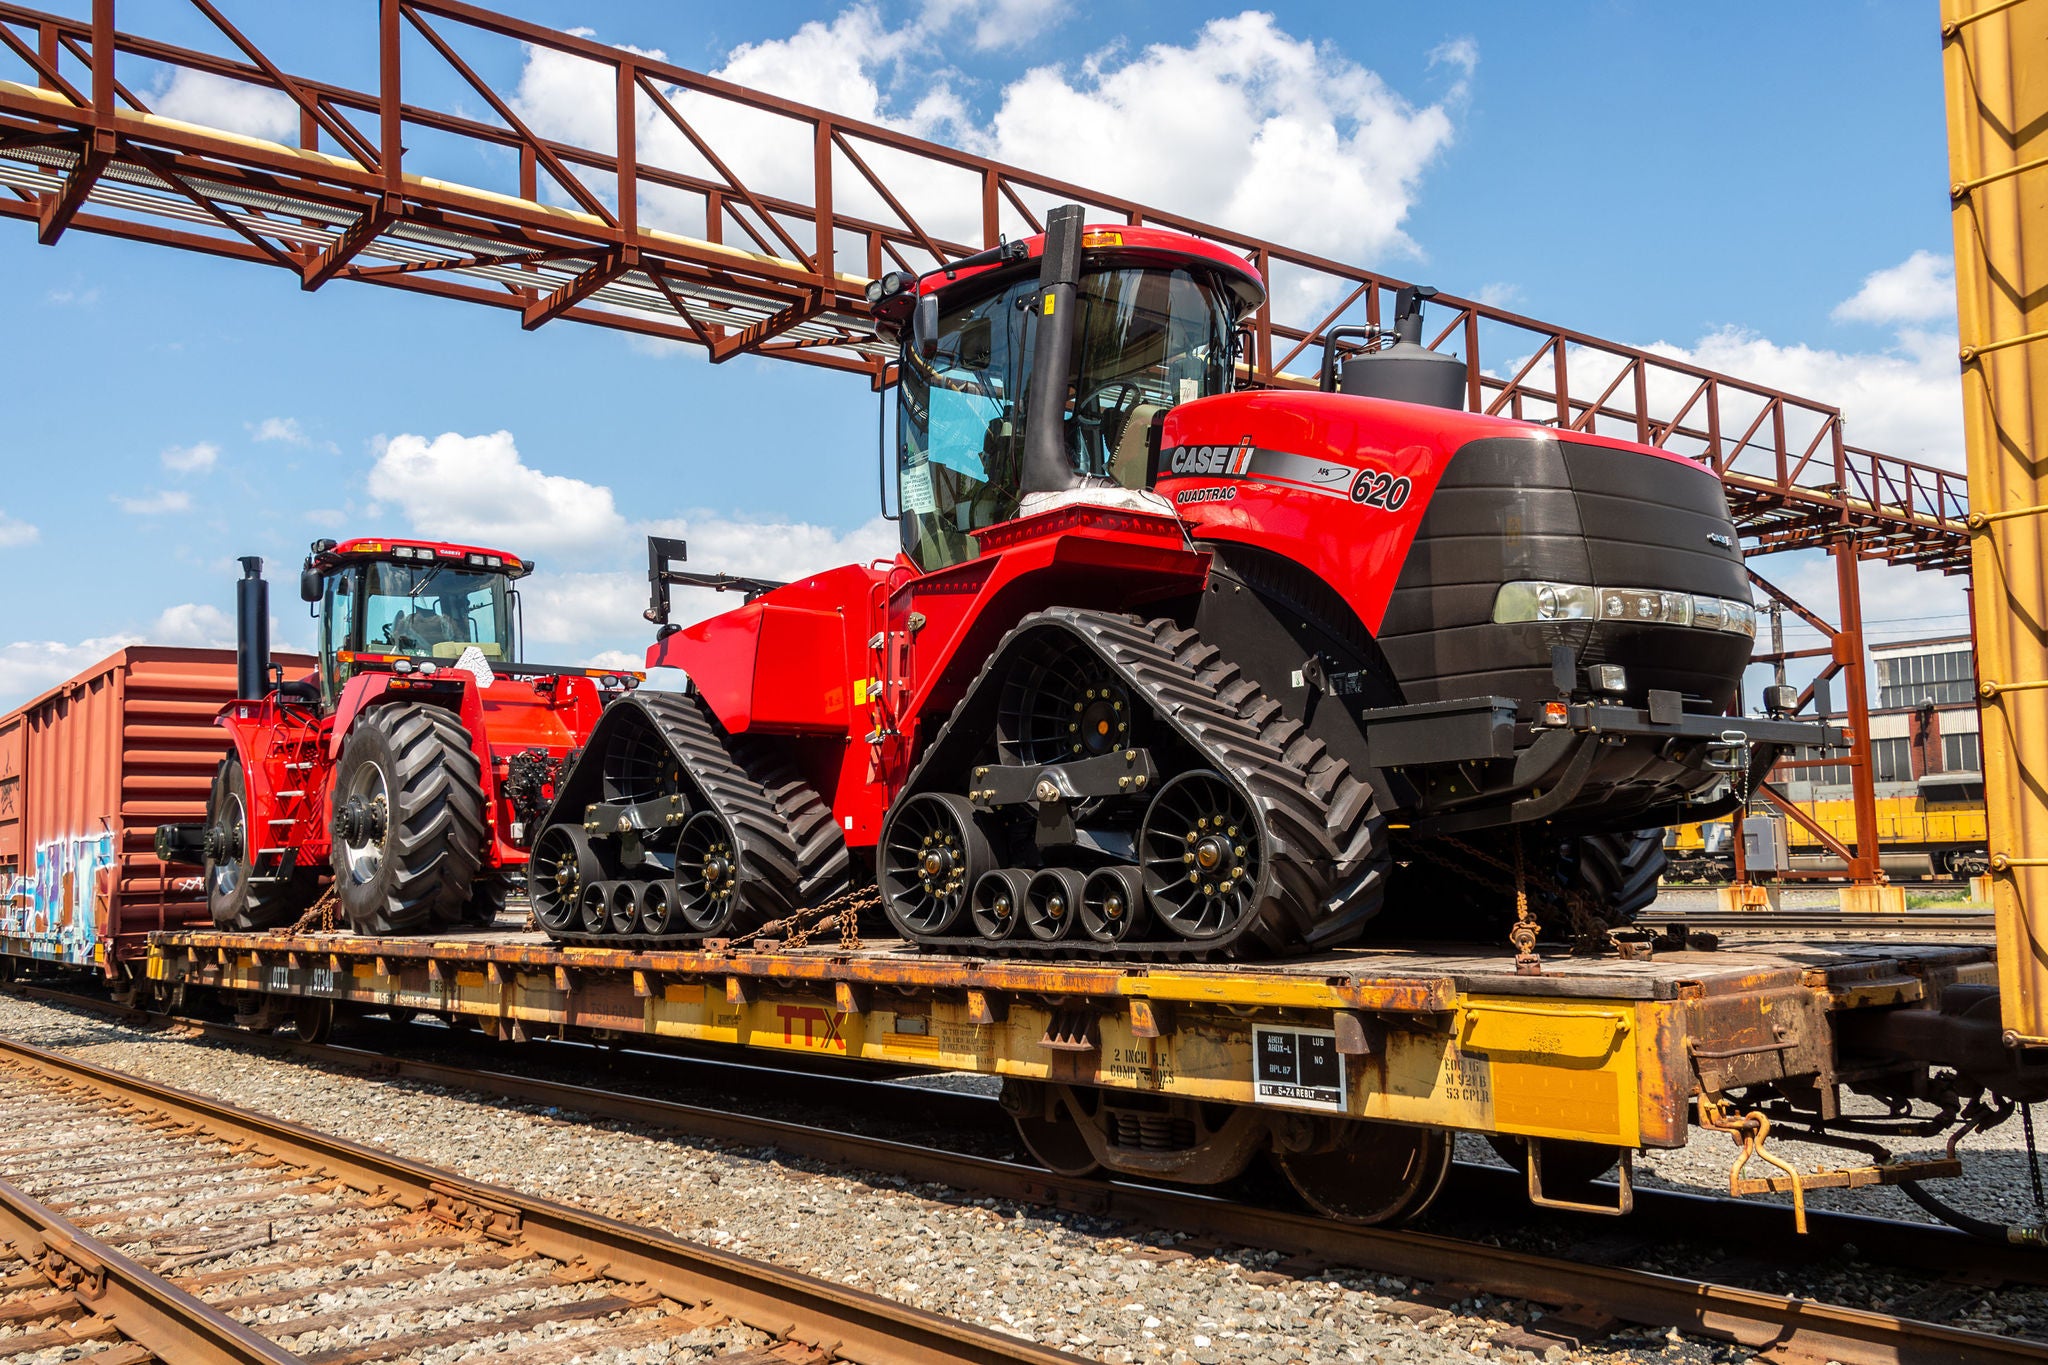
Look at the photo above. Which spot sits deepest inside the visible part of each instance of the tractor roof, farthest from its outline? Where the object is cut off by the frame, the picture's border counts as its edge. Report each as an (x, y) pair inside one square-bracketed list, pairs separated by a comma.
[(1125, 243), (328, 553)]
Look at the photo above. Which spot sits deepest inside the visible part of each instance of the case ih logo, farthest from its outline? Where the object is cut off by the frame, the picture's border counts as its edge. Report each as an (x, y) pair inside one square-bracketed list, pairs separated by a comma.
[(1210, 459), (819, 1027)]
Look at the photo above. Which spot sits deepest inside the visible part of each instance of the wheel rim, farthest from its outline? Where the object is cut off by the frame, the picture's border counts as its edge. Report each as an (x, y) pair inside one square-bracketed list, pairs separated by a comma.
[(1052, 905), (555, 876), (932, 855), (234, 838), (997, 902), (1113, 908), (593, 907), (1377, 1173), (1062, 703), (367, 807), (625, 911), (707, 873), (657, 907), (1203, 855)]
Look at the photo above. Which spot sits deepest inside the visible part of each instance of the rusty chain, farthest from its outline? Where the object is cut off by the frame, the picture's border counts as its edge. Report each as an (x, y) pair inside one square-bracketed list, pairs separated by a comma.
[(321, 909), (844, 908)]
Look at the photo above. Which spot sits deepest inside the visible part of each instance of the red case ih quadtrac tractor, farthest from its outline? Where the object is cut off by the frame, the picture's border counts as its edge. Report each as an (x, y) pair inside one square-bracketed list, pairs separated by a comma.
[(413, 766), (1168, 668)]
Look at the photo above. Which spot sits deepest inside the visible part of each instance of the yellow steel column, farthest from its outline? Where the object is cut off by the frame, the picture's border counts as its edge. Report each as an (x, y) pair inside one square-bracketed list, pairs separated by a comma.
[(1995, 61)]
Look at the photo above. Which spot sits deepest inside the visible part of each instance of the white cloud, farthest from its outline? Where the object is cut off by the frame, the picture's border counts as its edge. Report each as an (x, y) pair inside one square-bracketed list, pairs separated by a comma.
[(156, 504), (996, 23), (285, 430), (196, 625), (28, 667), (1921, 288), (217, 102), (83, 298), (196, 458), (1245, 125), (477, 489), (15, 532), (1499, 294)]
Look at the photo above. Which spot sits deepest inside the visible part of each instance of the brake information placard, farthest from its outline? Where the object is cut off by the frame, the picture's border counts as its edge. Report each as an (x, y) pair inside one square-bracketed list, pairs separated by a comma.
[(1299, 1067)]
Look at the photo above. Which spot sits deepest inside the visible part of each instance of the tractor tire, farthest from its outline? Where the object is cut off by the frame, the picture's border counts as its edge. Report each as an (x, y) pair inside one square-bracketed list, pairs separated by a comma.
[(236, 900), (408, 820), (486, 901), (1616, 873)]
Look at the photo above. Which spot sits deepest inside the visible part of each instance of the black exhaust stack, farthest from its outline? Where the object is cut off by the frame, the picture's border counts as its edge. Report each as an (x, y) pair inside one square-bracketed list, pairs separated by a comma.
[(252, 632), (1404, 370), (1046, 466)]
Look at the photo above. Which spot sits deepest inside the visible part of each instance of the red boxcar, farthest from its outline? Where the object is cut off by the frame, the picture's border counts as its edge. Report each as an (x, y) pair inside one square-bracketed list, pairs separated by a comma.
[(88, 770)]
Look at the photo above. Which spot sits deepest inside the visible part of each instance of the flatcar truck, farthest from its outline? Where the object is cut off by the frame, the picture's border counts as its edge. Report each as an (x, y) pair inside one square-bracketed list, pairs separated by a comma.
[(407, 774), (1172, 668)]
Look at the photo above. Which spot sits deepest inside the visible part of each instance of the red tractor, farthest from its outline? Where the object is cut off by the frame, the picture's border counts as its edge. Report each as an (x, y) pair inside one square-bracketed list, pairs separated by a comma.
[(1172, 668), (413, 767)]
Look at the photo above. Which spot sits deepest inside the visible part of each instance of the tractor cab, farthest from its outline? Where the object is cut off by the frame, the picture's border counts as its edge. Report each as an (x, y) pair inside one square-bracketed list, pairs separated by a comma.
[(1151, 322), (409, 606)]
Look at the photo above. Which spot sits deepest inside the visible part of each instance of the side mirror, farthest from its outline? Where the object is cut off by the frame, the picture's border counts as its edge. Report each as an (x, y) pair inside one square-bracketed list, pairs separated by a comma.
[(311, 584), (924, 326)]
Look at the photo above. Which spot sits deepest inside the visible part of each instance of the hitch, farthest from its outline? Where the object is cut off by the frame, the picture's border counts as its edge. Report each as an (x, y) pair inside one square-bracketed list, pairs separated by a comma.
[(664, 553)]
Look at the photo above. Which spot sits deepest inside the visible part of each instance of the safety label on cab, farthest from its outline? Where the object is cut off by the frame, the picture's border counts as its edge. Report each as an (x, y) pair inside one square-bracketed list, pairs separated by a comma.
[(1300, 1067)]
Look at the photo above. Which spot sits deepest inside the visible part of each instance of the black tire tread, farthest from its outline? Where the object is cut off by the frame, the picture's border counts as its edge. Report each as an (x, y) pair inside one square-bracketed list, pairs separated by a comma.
[(437, 834)]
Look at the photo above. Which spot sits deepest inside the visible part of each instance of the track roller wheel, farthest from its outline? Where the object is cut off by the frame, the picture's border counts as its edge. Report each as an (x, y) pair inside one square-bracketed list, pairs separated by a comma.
[(1113, 906), (1377, 1173), (1061, 703), (1049, 1129), (625, 911), (932, 854), (1203, 855), (408, 819), (1052, 903), (658, 913), (594, 906), (561, 865), (997, 902), (236, 899), (707, 874)]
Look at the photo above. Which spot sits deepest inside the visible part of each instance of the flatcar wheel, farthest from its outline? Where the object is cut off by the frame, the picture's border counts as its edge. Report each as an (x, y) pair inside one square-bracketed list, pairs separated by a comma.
[(1113, 906), (1054, 1142), (933, 852), (625, 913), (707, 873), (997, 904), (594, 907), (658, 913), (1378, 1173), (561, 864), (1203, 855), (1052, 903)]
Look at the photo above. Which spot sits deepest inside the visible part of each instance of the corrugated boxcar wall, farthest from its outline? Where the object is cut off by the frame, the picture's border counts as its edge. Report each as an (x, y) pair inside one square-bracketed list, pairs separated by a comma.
[(103, 759)]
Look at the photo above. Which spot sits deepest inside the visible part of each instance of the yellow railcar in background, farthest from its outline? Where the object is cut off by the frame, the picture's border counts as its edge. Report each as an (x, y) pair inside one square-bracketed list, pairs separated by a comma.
[(1933, 829)]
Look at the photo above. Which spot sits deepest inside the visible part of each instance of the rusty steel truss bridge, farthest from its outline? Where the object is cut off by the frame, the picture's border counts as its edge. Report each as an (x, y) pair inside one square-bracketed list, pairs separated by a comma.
[(706, 213)]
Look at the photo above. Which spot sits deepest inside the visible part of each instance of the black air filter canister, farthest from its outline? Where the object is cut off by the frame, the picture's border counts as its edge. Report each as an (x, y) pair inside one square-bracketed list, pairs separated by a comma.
[(252, 632)]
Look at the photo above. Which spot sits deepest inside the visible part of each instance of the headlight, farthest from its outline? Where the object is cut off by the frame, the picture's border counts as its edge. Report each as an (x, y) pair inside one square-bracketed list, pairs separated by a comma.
[(1535, 601)]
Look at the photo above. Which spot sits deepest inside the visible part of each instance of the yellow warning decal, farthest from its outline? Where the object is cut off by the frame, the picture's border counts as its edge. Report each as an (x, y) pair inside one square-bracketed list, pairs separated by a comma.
[(1048, 305)]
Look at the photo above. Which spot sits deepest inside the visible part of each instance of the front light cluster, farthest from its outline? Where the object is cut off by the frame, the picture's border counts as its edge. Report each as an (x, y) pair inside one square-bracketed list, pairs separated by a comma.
[(1541, 601)]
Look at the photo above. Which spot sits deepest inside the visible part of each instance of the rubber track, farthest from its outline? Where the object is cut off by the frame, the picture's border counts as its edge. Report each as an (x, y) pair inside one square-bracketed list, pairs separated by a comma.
[(791, 852), (1325, 835)]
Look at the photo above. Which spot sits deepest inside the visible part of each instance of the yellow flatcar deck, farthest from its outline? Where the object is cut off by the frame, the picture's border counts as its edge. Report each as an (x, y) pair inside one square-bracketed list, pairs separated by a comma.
[(1593, 1049)]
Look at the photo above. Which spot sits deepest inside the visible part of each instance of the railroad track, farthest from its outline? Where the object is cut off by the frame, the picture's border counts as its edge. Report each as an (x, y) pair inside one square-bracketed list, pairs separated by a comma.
[(179, 1228), (1579, 1292)]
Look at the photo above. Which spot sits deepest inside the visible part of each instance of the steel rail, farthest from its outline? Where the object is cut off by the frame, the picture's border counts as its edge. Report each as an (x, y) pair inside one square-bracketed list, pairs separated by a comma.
[(1753, 1318), (150, 1311), (858, 1326), (1972, 922)]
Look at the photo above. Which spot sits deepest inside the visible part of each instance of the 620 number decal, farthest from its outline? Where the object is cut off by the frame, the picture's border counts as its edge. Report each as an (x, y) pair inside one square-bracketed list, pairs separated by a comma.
[(1377, 488)]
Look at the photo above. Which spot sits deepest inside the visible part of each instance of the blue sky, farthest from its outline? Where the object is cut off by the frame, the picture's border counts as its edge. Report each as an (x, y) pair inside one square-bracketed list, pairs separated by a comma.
[(1725, 180)]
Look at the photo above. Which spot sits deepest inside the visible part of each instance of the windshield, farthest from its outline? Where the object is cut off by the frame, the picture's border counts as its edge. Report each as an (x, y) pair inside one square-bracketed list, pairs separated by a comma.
[(1145, 339), (436, 612)]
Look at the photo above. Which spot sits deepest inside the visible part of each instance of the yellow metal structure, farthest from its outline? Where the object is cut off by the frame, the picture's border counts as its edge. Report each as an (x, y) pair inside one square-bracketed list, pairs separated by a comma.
[(1995, 63), (1904, 823)]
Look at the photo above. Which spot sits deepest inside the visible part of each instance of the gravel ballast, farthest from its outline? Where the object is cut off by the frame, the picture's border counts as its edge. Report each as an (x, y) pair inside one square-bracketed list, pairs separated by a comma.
[(1083, 1284)]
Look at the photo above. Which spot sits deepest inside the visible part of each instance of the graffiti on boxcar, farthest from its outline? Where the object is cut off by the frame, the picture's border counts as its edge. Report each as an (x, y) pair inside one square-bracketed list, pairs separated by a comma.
[(61, 913)]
